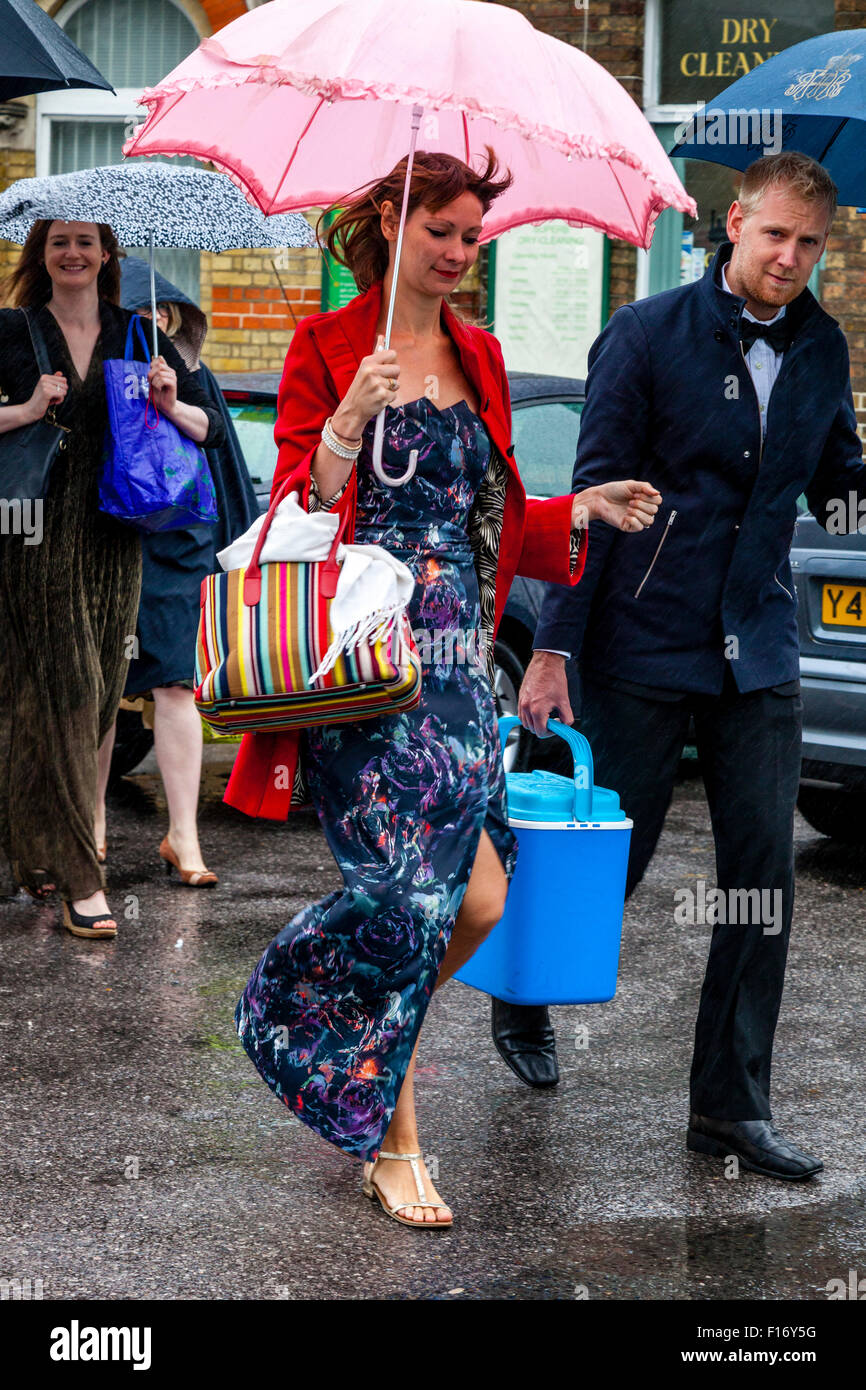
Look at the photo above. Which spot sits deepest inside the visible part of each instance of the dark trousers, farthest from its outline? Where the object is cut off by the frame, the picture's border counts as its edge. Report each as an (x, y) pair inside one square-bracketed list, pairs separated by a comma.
[(749, 748)]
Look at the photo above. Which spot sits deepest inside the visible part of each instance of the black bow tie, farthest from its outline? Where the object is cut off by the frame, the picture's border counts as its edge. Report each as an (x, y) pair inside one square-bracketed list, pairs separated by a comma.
[(776, 333)]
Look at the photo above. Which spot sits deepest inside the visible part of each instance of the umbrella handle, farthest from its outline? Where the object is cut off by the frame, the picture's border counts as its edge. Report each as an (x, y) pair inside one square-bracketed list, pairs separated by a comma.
[(383, 477), (378, 437)]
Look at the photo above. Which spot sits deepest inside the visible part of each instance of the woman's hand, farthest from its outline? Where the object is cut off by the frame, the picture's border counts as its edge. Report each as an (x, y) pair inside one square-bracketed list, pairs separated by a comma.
[(374, 386), (629, 506), (163, 385), (50, 390), (191, 420)]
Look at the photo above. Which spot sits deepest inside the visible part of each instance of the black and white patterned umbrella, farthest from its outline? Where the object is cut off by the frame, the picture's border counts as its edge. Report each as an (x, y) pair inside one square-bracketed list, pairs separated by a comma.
[(154, 205), (170, 204)]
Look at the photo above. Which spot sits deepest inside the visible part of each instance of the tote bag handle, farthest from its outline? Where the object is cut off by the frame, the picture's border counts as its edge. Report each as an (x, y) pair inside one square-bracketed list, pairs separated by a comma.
[(136, 326), (253, 576)]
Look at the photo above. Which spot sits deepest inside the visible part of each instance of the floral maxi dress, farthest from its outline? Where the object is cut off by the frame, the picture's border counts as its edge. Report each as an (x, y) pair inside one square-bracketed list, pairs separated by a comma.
[(332, 1011)]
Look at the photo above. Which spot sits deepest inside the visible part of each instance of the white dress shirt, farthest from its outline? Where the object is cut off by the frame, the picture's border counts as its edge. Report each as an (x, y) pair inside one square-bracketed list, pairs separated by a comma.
[(763, 365)]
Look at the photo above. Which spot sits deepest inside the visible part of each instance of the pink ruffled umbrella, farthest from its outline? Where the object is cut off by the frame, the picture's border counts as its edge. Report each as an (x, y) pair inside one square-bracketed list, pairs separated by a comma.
[(302, 101)]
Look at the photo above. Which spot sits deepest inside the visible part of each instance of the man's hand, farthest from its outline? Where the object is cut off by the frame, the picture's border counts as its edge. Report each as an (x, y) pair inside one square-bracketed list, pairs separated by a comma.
[(544, 689)]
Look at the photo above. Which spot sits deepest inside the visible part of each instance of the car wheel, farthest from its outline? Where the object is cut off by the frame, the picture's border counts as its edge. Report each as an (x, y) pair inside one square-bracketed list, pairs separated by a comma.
[(509, 671), (839, 813), (132, 743)]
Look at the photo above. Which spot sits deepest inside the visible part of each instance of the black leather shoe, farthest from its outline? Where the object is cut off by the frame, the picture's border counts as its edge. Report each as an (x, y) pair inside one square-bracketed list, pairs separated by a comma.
[(524, 1039), (757, 1144)]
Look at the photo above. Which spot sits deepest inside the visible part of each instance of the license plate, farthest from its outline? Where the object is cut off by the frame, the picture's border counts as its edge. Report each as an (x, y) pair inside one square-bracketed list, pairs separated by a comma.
[(844, 605)]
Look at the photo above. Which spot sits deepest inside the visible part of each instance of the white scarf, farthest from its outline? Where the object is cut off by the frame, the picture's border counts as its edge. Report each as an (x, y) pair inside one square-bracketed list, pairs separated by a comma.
[(373, 588)]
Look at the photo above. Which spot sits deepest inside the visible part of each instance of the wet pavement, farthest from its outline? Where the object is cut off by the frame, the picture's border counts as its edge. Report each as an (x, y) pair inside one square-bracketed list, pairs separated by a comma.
[(143, 1158)]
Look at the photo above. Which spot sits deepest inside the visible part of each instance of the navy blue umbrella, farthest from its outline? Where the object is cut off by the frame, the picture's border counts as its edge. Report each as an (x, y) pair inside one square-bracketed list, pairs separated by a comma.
[(37, 56), (811, 98)]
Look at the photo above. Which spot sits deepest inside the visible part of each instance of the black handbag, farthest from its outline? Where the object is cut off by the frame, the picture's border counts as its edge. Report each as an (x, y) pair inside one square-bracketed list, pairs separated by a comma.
[(27, 454)]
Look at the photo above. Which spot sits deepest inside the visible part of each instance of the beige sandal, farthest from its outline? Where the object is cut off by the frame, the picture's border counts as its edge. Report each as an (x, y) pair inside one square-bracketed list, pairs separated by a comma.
[(370, 1189)]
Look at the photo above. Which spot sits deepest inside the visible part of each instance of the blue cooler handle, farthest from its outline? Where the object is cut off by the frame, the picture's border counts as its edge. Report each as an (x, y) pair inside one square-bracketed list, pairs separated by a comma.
[(581, 754)]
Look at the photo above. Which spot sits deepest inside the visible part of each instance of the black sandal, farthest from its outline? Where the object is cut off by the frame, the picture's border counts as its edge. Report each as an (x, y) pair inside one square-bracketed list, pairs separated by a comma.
[(43, 892), (102, 925)]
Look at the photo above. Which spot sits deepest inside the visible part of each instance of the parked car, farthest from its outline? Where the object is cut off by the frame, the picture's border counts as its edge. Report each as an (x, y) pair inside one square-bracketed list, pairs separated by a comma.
[(546, 421), (830, 579)]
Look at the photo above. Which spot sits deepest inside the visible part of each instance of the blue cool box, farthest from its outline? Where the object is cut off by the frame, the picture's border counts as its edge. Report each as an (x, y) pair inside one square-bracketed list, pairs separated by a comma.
[(558, 940)]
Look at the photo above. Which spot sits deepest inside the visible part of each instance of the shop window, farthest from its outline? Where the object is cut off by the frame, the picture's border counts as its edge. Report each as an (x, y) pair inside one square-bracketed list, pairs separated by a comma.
[(694, 49)]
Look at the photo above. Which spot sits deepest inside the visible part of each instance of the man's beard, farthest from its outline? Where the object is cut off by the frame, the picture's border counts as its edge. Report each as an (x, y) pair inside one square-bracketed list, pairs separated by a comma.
[(757, 287)]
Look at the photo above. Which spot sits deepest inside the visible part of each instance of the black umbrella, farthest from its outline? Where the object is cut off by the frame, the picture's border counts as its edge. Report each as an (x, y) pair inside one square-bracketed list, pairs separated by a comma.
[(37, 56)]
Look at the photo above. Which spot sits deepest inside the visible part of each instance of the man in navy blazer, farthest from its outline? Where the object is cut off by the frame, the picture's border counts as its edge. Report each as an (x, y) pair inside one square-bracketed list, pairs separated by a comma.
[(733, 396)]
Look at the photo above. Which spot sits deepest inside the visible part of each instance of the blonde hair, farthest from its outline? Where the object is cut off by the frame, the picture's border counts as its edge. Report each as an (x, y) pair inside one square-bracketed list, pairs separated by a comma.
[(804, 177), (173, 314)]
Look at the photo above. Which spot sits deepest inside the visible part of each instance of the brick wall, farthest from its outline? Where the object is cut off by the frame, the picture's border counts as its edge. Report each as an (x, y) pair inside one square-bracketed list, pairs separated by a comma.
[(843, 284), (14, 164), (250, 321)]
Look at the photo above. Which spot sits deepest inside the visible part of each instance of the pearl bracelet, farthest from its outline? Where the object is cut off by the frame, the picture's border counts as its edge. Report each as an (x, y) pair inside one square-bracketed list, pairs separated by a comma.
[(343, 451)]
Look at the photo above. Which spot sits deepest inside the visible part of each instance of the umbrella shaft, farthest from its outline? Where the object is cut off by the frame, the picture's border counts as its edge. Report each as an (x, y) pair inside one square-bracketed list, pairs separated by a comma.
[(153, 294), (378, 436), (417, 113)]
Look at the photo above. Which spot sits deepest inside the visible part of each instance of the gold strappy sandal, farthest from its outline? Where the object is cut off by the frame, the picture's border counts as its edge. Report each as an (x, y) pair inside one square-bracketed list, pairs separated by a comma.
[(370, 1189)]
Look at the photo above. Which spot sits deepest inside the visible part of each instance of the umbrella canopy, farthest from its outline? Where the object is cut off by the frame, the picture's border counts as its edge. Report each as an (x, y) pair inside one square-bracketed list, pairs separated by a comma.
[(37, 55), (336, 79), (811, 98), (301, 101), (151, 204)]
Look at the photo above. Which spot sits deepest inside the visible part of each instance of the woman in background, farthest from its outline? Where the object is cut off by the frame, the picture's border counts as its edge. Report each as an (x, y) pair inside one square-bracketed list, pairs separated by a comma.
[(174, 564), (67, 605)]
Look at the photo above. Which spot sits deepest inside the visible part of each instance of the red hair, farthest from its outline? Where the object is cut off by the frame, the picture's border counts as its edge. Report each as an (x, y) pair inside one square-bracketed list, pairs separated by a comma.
[(355, 237)]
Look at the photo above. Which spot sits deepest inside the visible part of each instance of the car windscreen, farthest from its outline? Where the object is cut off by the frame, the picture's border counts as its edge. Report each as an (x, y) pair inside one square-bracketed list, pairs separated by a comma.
[(545, 441), (255, 429)]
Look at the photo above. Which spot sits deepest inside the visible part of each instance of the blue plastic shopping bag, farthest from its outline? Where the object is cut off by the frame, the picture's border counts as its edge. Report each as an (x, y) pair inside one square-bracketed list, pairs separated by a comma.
[(154, 477)]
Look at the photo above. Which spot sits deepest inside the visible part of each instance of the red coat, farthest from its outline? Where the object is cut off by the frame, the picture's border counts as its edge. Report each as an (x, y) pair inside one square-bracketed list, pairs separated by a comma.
[(323, 358)]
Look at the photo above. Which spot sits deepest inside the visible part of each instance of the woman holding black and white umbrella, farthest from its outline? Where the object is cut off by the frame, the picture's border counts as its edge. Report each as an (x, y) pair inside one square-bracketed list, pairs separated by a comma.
[(68, 605)]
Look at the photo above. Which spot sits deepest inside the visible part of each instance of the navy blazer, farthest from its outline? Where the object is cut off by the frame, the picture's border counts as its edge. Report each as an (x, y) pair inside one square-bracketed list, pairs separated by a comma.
[(670, 399)]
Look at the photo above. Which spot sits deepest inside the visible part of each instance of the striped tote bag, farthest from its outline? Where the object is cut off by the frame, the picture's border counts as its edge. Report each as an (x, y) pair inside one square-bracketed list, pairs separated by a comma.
[(263, 636)]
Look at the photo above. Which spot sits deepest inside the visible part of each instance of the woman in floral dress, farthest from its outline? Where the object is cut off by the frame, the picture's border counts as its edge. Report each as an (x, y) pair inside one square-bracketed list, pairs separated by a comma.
[(413, 806)]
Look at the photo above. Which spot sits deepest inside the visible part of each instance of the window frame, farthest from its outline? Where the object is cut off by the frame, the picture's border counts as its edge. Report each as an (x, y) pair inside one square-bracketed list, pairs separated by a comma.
[(89, 104)]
